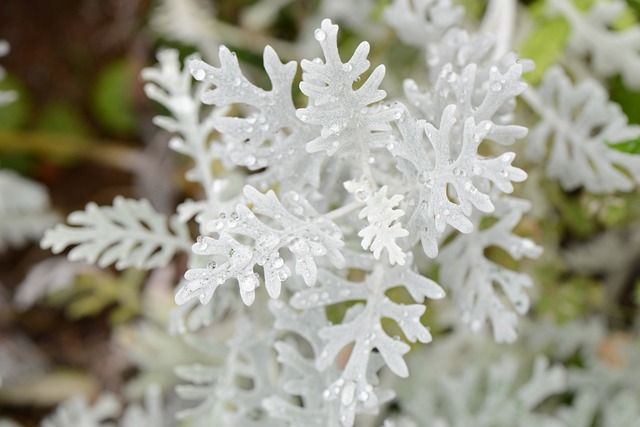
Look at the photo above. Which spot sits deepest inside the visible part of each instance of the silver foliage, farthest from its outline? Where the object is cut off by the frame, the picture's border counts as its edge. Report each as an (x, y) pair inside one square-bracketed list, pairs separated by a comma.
[(577, 123), (129, 233)]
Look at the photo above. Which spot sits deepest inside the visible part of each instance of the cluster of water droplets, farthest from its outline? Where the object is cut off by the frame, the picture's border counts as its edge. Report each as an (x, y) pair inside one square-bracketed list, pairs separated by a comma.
[(202, 245), (426, 179), (348, 391), (313, 298), (496, 84), (256, 122), (506, 159), (226, 221)]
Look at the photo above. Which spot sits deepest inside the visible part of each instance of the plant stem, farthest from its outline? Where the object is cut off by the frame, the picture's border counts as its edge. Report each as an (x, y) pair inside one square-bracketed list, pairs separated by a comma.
[(499, 20), (108, 153)]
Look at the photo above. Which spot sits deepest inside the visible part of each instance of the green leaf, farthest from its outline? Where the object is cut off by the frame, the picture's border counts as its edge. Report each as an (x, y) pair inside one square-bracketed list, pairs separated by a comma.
[(545, 45), (634, 5), (112, 100), (64, 119), (629, 100), (629, 147), (472, 8), (14, 115)]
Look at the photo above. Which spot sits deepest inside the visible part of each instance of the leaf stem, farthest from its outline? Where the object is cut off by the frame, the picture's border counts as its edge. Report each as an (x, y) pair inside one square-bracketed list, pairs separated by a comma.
[(108, 153), (499, 20), (344, 210)]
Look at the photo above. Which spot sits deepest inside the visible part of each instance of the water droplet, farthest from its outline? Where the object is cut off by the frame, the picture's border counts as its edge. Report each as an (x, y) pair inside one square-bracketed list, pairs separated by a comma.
[(506, 157), (319, 250), (278, 262), (390, 146), (248, 283), (477, 169), (237, 81), (371, 160), (459, 171), (249, 160), (504, 173), (347, 67), (199, 74), (282, 275), (235, 216), (347, 395), (363, 396), (219, 225), (422, 177), (320, 35), (362, 194), (211, 265), (496, 86), (468, 186), (223, 215)]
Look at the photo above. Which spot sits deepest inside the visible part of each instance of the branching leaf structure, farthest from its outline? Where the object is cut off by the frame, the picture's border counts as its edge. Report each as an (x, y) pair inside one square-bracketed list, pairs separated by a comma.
[(128, 234), (579, 123), (305, 233)]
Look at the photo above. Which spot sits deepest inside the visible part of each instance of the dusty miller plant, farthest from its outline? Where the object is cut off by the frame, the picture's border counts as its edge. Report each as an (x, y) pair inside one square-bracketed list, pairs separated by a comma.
[(339, 199)]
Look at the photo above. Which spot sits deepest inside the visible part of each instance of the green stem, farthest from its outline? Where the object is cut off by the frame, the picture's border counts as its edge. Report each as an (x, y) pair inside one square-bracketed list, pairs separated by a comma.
[(107, 153)]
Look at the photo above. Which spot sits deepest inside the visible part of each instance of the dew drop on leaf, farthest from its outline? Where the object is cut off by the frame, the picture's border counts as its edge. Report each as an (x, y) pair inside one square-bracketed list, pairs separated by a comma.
[(199, 74)]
